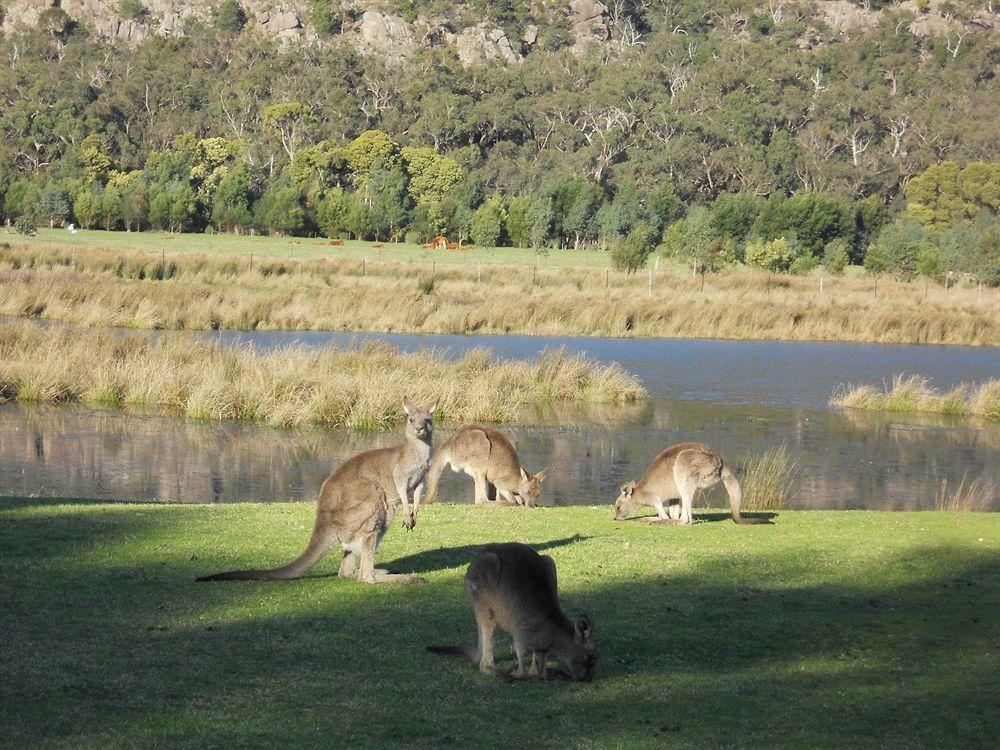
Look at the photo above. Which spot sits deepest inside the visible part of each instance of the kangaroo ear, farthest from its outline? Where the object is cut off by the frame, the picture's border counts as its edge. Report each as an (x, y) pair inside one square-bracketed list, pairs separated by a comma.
[(584, 627), (524, 474), (540, 476), (407, 405), (627, 488), (434, 405)]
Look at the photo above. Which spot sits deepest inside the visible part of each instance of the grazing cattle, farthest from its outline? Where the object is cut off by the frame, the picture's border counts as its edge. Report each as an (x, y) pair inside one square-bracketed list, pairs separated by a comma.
[(378, 244), (452, 246), (337, 243)]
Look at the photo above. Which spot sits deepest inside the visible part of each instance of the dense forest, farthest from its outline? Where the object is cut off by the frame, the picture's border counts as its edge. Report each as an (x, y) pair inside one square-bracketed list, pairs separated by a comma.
[(774, 134)]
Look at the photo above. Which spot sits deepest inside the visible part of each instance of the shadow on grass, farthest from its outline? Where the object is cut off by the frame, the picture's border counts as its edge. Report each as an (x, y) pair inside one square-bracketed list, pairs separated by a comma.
[(453, 557), (119, 652), (712, 517)]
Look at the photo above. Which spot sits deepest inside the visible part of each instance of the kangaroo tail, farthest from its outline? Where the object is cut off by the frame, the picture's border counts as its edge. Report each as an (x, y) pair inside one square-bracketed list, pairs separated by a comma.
[(736, 498), (319, 545), (466, 651), (438, 462)]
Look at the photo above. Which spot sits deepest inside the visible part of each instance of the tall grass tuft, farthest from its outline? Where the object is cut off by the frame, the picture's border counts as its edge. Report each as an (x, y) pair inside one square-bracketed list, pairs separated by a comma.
[(770, 479), (360, 388), (967, 496), (915, 393)]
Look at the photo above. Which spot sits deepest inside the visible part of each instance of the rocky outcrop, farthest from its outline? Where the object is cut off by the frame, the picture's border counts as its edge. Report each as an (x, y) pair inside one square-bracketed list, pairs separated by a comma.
[(482, 42), (389, 36), (589, 23)]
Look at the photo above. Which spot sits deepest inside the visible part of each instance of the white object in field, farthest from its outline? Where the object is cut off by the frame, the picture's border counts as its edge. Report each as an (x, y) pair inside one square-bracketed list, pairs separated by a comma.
[(71, 229)]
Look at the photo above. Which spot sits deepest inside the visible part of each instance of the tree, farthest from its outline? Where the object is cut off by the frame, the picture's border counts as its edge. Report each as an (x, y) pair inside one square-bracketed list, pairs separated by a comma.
[(96, 164), (836, 256), (518, 224), (332, 214), (111, 207), (359, 221), (87, 208), (488, 222), (229, 16), (51, 207), (390, 203), (733, 214), (135, 204), (631, 254), (371, 148), (289, 120), (690, 238), (431, 175), (540, 218), (900, 244), (231, 202), (280, 210), (775, 255)]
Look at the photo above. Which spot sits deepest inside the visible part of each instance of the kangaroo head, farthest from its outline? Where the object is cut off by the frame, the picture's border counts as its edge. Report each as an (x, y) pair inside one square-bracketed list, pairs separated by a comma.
[(419, 422), (528, 489), (581, 655), (627, 501)]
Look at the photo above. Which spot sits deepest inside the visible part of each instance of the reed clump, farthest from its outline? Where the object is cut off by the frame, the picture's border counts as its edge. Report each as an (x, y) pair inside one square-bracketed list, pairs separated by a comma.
[(188, 291), (967, 496), (914, 393), (361, 387), (770, 479)]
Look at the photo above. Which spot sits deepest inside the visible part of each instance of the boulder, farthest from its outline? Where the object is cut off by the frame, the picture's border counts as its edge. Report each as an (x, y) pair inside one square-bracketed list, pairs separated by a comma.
[(483, 42), (386, 35)]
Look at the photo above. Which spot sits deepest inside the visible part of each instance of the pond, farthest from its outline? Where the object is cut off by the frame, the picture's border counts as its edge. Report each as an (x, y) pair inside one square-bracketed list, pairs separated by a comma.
[(740, 397)]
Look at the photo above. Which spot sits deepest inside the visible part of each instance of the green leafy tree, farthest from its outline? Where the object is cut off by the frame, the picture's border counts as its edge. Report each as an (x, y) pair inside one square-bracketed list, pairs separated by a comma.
[(232, 200), (87, 208), (733, 214), (359, 220), (370, 149), (775, 255), (135, 204), (333, 213), (96, 163), (229, 16), (280, 210), (518, 224), (390, 203), (431, 175), (632, 253), (51, 206), (929, 263), (836, 256), (289, 120), (111, 207), (541, 215), (488, 222)]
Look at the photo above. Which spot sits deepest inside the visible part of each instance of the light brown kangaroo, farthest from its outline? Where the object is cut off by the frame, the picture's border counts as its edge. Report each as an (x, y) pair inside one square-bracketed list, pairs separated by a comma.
[(513, 586), (357, 503), (673, 478), (489, 458)]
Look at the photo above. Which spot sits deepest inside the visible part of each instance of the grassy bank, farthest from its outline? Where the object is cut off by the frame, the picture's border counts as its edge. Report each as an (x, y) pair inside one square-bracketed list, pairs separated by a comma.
[(103, 287), (829, 629), (360, 388), (915, 393)]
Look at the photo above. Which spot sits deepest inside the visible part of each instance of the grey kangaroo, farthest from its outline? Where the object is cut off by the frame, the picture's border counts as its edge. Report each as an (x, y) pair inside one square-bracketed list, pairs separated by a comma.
[(489, 458), (513, 586), (357, 503), (673, 478)]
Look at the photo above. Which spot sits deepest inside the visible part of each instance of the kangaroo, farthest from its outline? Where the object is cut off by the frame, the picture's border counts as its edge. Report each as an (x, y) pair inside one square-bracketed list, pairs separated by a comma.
[(513, 586), (488, 457), (357, 503), (673, 477)]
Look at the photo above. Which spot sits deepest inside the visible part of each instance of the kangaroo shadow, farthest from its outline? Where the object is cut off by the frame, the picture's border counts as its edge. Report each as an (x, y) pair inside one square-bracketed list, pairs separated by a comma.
[(453, 557), (705, 517)]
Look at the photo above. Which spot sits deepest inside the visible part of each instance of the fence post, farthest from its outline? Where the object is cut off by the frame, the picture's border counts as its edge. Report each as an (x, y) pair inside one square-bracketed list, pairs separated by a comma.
[(820, 284), (607, 273), (251, 261), (364, 262), (703, 279), (479, 275), (979, 298), (433, 271), (650, 281), (534, 273)]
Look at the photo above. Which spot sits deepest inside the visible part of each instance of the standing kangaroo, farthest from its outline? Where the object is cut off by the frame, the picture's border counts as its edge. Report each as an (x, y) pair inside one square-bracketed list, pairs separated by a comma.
[(489, 458), (512, 586), (673, 478), (357, 503)]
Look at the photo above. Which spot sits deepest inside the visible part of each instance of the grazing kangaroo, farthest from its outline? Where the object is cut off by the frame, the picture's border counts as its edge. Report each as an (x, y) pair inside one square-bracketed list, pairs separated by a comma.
[(489, 458), (357, 503), (673, 478), (513, 586)]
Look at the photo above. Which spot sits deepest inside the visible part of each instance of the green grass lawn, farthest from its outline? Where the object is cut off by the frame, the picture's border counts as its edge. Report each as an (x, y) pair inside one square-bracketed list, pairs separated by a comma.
[(829, 629), (304, 247)]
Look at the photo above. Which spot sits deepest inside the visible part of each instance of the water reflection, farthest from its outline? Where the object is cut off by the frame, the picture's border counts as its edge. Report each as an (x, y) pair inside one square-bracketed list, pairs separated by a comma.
[(849, 460)]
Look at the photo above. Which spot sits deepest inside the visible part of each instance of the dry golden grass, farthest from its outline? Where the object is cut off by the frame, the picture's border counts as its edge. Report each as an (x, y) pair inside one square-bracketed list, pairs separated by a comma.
[(100, 287), (360, 388), (770, 479), (915, 393)]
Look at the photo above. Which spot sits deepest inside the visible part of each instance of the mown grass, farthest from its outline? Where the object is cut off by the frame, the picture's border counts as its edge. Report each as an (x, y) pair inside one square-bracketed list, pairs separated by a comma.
[(360, 388), (188, 291), (827, 630), (914, 393)]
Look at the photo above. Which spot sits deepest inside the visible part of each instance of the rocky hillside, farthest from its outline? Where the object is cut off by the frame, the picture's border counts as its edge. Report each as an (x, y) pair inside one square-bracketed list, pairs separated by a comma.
[(393, 30)]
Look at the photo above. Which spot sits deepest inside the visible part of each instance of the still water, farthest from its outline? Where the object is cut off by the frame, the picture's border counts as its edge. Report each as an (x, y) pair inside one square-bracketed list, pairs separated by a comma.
[(737, 396)]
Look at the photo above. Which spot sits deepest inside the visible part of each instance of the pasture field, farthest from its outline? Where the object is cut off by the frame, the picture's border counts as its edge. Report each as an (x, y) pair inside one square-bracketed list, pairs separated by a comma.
[(102, 287), (307, 248), (826, 630)]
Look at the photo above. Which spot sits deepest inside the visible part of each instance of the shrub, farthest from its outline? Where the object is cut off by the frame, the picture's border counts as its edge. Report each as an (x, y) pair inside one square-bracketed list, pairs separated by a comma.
[(836, 256), (25, 225), (776, 255), (802, 265), (631, 254)]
